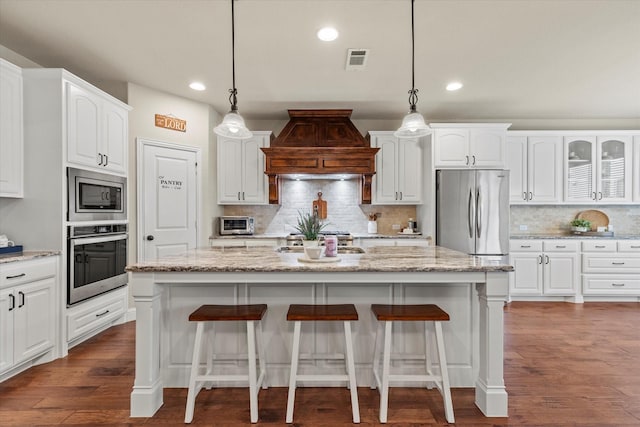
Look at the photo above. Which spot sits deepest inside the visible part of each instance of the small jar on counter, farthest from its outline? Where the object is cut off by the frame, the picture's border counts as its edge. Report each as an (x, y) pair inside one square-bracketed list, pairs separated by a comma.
[(330, 246)]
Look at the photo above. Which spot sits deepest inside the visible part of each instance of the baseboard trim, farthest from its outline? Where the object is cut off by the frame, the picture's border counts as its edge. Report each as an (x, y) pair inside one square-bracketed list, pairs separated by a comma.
[(130, 316)]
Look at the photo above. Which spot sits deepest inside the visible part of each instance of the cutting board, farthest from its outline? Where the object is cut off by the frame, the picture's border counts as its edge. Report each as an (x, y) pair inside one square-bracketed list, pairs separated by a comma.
[(595, 217), (320, 207)]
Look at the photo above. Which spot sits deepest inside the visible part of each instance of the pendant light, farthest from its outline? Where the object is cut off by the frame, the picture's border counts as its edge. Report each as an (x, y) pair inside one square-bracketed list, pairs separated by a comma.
[(232, 125), (413, 124)]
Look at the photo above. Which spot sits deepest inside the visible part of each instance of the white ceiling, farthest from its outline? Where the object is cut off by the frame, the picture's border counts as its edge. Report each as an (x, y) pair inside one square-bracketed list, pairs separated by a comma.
[(524, 59)]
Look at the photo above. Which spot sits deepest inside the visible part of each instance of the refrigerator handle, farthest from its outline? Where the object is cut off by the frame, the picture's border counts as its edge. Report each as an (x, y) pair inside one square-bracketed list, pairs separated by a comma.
[(478, 216), (470, 214)]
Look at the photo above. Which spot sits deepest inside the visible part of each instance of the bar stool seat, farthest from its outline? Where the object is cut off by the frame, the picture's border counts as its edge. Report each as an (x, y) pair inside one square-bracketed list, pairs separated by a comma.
[(206, 315), (337, 312), (428, 313)]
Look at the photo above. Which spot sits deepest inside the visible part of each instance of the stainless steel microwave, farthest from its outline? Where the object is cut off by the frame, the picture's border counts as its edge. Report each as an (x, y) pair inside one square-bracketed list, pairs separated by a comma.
[(96, 196), (236, 225)]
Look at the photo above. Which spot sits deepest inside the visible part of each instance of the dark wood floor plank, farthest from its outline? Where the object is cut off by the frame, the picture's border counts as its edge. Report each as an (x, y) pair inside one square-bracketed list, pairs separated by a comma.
[(565, 365)]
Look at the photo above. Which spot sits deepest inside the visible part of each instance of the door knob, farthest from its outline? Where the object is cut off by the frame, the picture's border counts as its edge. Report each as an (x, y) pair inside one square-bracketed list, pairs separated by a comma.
[(150, 238)]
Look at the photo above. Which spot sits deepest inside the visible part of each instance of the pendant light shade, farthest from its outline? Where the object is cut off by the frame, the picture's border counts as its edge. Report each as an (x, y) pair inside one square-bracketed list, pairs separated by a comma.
[(232, 125), (413, 124)]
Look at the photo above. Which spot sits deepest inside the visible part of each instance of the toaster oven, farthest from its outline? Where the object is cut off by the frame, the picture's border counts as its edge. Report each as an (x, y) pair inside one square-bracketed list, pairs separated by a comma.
[(230, 225)]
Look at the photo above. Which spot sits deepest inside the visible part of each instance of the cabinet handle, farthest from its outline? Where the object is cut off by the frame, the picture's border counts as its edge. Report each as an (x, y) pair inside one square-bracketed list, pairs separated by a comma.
[(467, 160), (243, 195), (530, 195), (396, 195), (617, 284), (594, 196), (634, 247), (600, 247), (401, 195), (525, 246), (617, 263), (524, 195), (106, 160), (239, 196), (474, 160), (16, 276), (546, 259), (102, 314), (539, 259), (100, 162), (21, 294), (13, 302), (600, 193), (561, 246)]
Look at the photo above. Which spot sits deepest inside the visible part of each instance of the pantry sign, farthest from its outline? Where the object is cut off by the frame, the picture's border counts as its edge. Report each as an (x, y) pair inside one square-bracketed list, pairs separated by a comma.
[(170, 122)]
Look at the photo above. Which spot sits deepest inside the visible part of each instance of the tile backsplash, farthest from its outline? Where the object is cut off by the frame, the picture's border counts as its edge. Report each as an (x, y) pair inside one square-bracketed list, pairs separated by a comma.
[(556, 218), (344, 211)]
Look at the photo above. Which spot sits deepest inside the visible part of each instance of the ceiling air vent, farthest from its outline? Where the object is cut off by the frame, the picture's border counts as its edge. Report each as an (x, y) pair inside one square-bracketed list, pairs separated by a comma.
[(357, 59)]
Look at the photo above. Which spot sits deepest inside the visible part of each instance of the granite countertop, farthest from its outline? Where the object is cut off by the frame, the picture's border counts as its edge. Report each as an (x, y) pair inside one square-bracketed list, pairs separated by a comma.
[(390, 236), (251, 236), (574, 236), (376, 259), (26, 255)]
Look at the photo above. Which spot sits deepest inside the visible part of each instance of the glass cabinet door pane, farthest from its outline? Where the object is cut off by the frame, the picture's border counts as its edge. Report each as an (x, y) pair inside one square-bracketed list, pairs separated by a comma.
[(580, 166), (612, 169)]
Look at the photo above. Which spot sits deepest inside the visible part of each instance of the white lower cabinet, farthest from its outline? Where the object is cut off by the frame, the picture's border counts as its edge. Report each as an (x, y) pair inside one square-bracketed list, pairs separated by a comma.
[(27, 310), (611, 268), (544, 268)]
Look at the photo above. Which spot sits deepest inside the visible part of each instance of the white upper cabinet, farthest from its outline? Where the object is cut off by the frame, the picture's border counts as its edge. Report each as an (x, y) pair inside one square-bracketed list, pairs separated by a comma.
[(598, 169), (636, 168), (11, 130), (535, 163), (398, 178), (241, 178), (96, 130), (469, 145)]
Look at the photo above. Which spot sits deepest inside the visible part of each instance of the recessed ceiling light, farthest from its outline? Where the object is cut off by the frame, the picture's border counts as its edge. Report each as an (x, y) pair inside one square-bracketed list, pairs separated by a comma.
[(454, 86), (327, 34), (197, 86)]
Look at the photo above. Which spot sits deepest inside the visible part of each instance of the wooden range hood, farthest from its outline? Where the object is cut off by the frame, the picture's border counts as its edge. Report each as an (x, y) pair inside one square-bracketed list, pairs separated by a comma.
[(320, 142)]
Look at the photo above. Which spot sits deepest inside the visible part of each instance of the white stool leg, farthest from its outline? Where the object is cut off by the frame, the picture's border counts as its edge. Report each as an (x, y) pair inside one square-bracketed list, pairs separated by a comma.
[(295, 352), (386, 360), (195, 366), (261, 356), (253, 389), (375, 380), (446, 390), (351, 371), (427, 353), (211, 336)]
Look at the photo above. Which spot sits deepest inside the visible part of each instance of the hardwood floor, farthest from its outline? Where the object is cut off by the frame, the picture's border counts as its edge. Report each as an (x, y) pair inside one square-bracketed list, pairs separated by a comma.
[(565, 365)]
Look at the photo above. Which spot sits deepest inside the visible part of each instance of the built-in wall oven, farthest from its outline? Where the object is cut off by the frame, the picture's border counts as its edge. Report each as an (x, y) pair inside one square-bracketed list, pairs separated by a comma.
[(97, 256), (96, 196)]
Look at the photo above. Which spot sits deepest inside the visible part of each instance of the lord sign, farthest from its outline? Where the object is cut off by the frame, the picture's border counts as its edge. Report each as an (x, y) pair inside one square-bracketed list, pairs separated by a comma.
[(172, 123)]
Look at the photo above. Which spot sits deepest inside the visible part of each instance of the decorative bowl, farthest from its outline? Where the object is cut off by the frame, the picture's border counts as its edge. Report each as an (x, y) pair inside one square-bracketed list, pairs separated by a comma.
[(314, 252)]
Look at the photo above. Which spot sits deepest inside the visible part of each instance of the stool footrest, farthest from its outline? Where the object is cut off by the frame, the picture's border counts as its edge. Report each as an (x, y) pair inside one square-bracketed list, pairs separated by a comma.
[(414, 378), (322, 377), (222, 378)]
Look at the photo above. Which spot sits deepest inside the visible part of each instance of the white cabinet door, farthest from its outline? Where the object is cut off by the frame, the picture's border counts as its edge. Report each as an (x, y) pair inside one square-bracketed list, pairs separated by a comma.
[(255, 184), (516, 149), (115, 137), (34, 316), (486, 148), (241, 178), (560, 273), (451, 148), (386, 187), (11, 131), (527, 274), (544, 169), (636, 168), (83, 131), (614, 169), (7, 307), (398, 178)]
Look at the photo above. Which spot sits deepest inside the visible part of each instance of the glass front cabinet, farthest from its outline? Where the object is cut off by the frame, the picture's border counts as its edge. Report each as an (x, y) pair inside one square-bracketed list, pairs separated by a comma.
[(598, 169)]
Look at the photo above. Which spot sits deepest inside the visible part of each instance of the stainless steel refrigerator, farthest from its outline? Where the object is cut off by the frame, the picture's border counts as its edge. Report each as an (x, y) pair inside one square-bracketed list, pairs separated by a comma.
[(472, 211)]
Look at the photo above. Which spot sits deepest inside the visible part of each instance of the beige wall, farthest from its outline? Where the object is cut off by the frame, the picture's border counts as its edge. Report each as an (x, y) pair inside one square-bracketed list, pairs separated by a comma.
[(201, 119)]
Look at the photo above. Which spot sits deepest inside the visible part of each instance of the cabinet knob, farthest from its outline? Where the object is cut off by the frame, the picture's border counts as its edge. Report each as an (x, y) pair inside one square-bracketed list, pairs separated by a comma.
[(150, 237)]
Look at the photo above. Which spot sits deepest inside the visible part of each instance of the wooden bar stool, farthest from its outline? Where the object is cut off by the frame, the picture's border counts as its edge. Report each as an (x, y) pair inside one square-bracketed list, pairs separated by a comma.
[(215, 313), (300, 313), (426, 313)]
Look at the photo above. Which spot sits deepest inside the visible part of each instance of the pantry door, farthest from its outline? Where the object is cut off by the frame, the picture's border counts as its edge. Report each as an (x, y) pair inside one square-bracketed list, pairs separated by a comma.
[(167, 199)]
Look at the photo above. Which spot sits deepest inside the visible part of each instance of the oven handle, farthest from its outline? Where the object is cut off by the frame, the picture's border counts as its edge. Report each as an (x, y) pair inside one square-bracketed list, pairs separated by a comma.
[(91, 240)]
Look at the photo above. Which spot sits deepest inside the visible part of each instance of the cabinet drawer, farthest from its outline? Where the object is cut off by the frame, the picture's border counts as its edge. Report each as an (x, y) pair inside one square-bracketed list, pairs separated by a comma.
[(612, 285), (525, 246), (17, 273), (610, 264), (628, 246), (92, 316), (599, 246), (560, 246)]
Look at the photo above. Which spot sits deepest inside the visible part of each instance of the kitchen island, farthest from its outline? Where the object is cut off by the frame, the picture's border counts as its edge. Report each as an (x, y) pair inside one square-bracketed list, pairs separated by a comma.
[(471, 289)]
